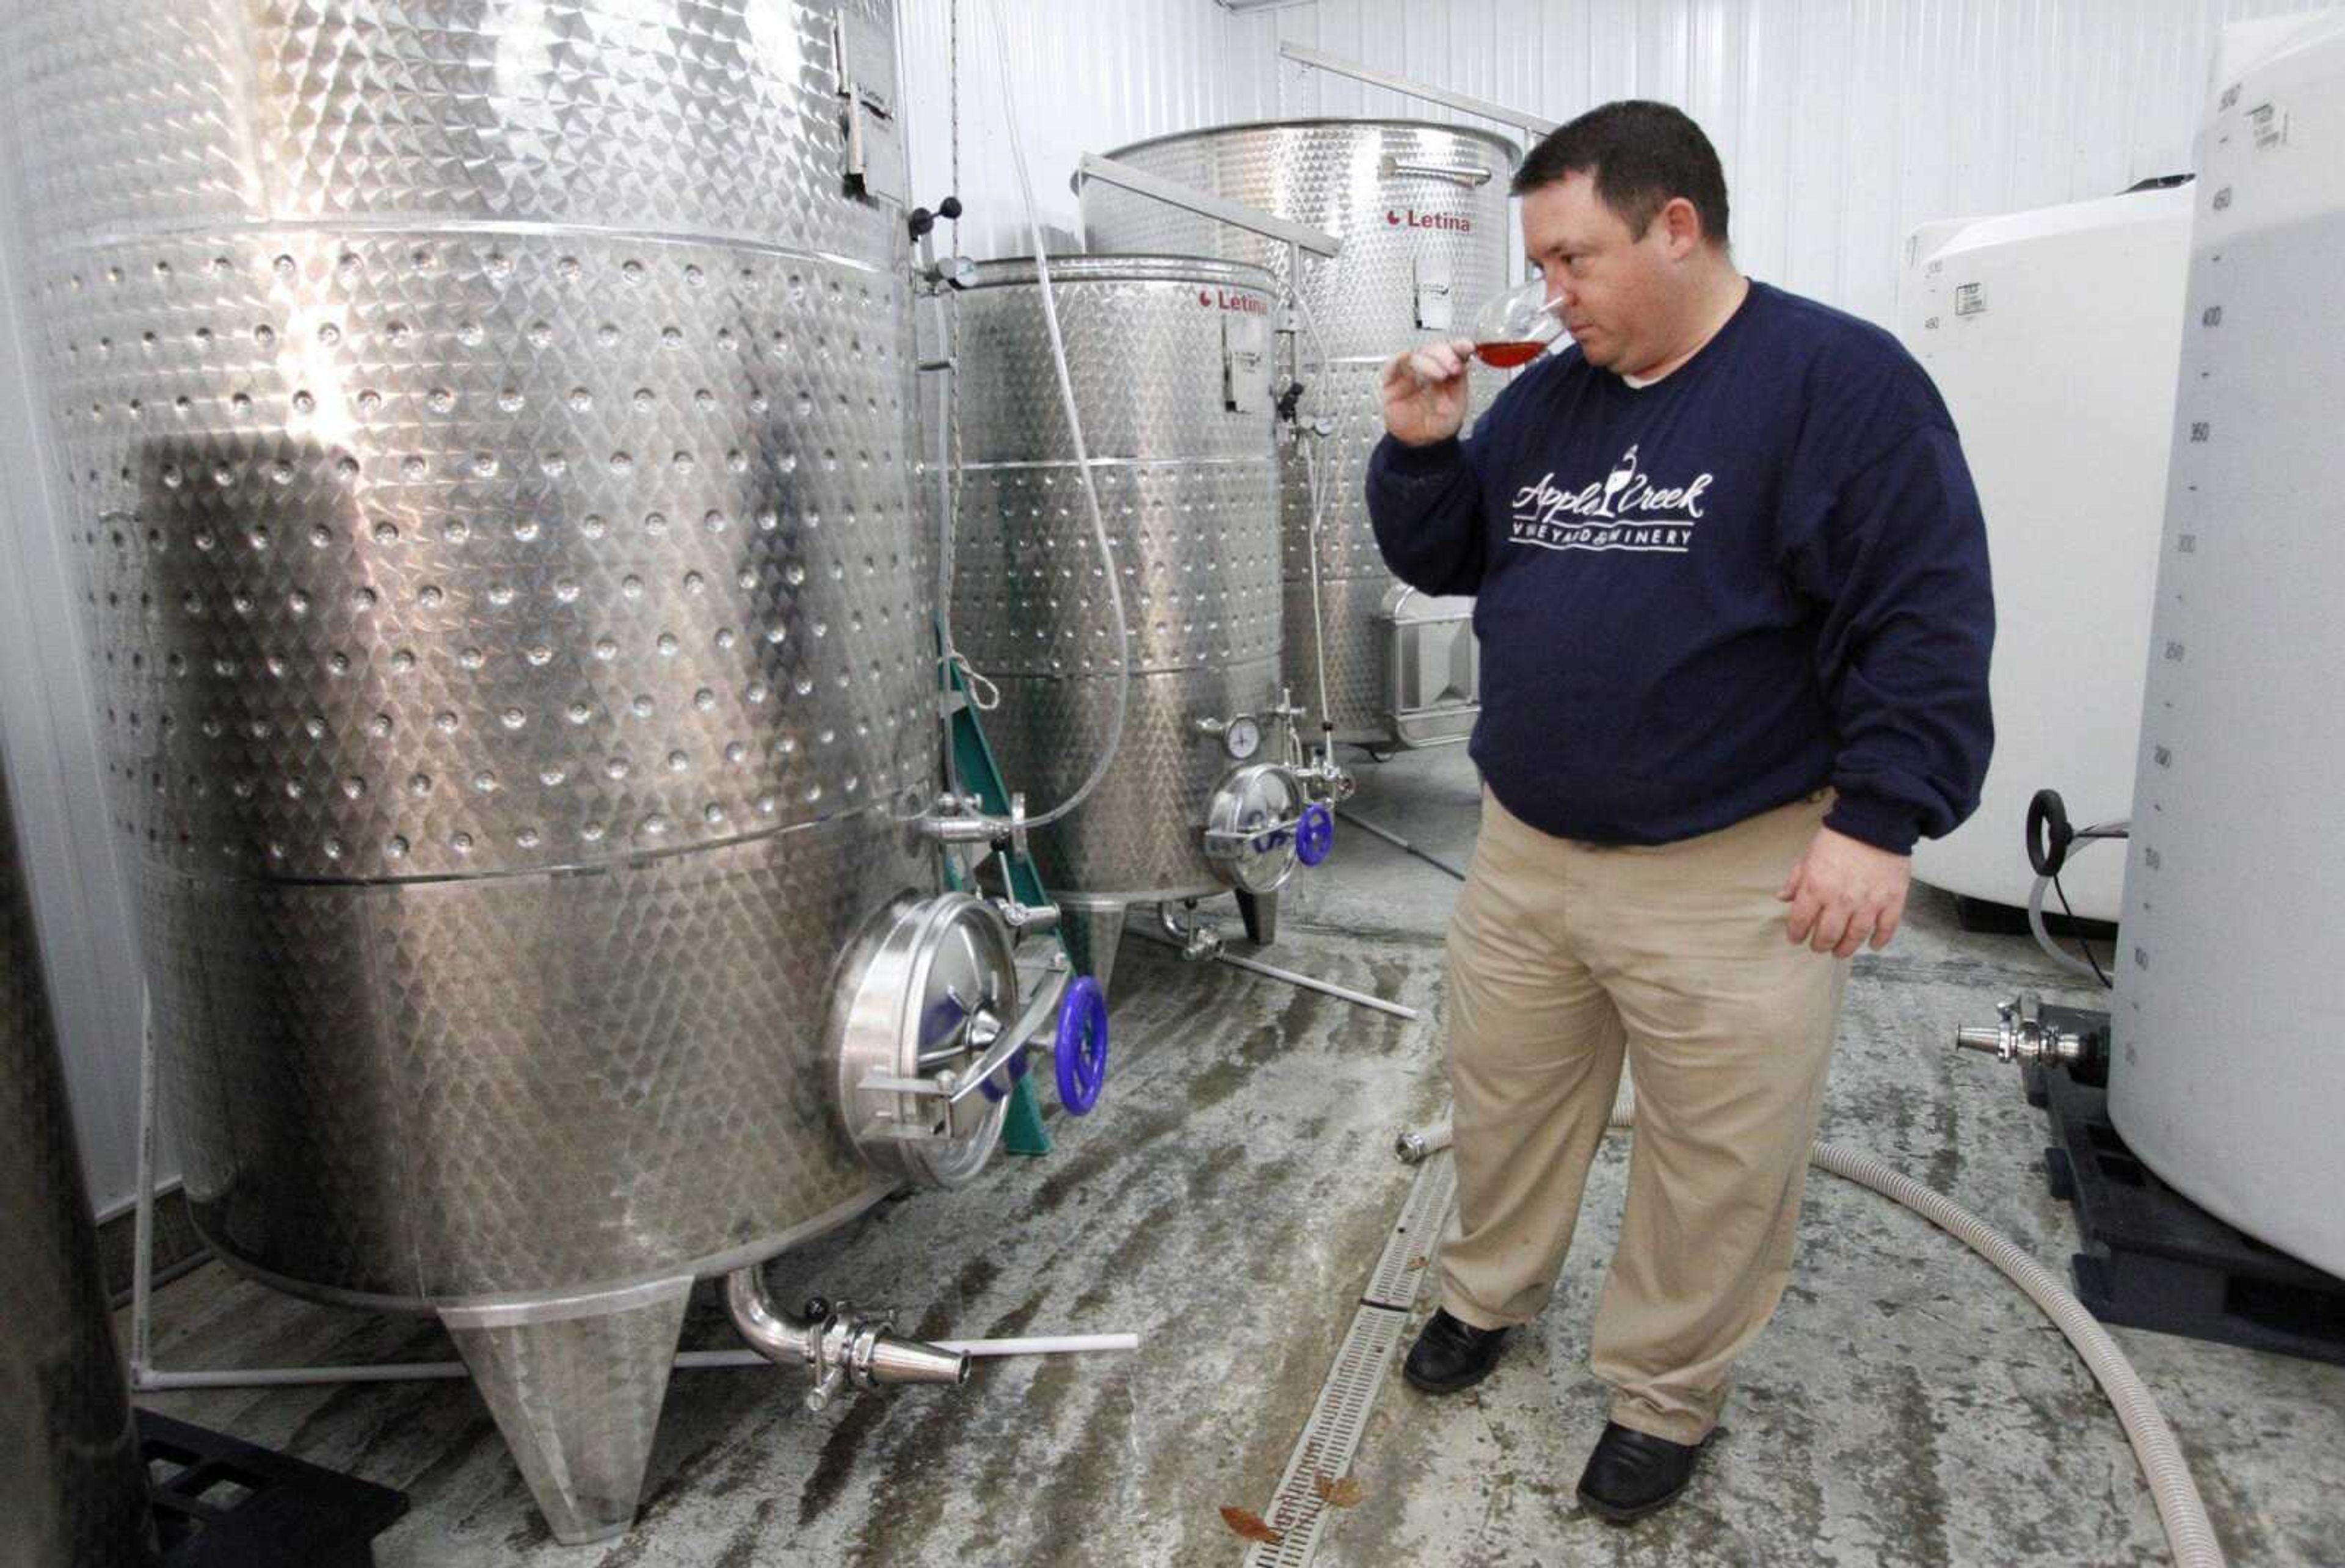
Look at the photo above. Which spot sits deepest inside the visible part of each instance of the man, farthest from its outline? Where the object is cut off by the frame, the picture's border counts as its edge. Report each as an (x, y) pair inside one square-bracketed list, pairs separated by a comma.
[(1733, 606)]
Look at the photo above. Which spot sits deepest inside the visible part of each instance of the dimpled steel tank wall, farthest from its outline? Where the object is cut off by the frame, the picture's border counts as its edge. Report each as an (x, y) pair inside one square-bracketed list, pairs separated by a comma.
[(1170, 362), (1421, 210), (487, 430)]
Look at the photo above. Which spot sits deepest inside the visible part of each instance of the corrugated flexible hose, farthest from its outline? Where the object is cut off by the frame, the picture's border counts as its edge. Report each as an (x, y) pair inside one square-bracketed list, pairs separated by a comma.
[(2189, 1534)]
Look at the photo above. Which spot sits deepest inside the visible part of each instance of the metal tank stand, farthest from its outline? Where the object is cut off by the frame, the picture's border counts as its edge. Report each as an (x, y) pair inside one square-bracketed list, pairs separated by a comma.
[(576, 1384), (1258, 912)]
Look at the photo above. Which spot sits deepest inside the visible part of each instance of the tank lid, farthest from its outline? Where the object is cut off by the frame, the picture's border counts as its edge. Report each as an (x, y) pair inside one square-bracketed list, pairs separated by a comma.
[(1020, 269), (1492, 138)]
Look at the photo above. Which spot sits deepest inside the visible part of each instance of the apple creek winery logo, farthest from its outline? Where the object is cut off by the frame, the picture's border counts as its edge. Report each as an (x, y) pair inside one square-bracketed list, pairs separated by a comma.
[(1244, 304), (1623, 510), (1409, 217)]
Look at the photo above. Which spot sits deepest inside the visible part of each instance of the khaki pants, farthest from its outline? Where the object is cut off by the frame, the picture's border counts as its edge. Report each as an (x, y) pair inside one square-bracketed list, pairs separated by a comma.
[(1564, 957)]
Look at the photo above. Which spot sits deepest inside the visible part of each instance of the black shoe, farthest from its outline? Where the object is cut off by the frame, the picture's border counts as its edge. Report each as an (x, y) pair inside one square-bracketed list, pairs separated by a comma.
[(1631, 1474), (1450, 1355)]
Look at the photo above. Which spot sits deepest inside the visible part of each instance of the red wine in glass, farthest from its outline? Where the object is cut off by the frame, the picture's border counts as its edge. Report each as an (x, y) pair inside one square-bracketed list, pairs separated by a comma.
[(1508, 356), (1515, 327)]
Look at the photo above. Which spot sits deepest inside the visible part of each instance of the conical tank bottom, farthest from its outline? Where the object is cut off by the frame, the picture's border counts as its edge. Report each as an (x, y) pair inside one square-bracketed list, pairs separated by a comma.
[(577, 1385), (1093, 936)]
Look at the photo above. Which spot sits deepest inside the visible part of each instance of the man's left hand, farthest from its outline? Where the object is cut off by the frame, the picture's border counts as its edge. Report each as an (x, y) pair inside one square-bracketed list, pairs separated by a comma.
[(1844, 892)]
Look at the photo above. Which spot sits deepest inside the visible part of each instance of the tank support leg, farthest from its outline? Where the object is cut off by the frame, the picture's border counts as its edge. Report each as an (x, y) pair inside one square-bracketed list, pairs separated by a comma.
[(1259, 912)]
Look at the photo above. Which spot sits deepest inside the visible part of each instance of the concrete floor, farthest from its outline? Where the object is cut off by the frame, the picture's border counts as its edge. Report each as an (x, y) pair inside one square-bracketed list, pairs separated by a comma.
[(1226, 1202)]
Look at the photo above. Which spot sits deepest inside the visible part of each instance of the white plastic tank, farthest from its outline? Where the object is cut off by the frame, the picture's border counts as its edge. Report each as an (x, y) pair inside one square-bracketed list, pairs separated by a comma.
[(2229, 1026), (2054, 335)]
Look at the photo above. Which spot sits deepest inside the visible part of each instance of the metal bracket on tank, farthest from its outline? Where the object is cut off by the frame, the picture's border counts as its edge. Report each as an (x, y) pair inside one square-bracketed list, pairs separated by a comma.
[(934, 280), (962, 820), (1465, 174), (864, 53), (951, 273), (1023, 916)]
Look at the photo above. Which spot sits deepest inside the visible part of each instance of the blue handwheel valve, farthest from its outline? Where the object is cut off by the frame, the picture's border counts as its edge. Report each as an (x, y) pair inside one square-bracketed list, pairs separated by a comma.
[(1315, 835), (1079, 1048)]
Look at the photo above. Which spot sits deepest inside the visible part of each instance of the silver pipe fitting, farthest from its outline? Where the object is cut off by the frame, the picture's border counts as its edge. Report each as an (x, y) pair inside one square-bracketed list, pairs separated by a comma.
[(1199, 938), (2021, 1035), (1416, 1148), (960, 829), (843, 1351)]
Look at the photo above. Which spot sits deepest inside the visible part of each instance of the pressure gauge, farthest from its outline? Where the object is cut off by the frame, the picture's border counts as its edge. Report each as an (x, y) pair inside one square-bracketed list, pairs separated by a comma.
[(1242, 738)]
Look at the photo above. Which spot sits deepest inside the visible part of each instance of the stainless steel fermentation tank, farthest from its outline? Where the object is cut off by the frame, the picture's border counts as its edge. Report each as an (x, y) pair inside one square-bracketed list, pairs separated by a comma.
[(1421, 210), (1170, 361), (487, 437), (73, 1490)]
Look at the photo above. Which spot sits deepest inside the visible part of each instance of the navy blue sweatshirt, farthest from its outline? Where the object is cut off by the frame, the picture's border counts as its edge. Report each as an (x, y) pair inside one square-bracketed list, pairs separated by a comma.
[(1763, 573)]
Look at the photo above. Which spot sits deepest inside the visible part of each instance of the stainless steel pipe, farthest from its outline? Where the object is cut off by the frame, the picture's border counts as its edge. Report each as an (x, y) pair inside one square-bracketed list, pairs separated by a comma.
[(844, 1350)]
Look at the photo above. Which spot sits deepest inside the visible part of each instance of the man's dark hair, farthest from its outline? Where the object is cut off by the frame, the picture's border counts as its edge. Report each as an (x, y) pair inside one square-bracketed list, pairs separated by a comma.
[(1642, 156)]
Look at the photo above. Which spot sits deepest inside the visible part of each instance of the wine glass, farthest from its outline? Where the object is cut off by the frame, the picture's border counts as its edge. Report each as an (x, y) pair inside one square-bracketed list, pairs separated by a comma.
[(1516, 326)]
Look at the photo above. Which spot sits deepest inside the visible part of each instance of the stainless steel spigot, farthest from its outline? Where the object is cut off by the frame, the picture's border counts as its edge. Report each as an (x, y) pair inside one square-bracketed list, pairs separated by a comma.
[(886, 1359), (2021, 1034), (1971, 1037)]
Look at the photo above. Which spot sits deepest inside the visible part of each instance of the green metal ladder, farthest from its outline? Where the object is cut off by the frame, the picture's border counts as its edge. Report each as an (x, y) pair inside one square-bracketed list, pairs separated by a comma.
[(1023, 1132)]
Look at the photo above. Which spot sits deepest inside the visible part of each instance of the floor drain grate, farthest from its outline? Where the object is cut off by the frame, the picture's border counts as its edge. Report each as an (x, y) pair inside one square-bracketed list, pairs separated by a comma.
[(1409, 1251), (1332, 1436), (1329, 1440)]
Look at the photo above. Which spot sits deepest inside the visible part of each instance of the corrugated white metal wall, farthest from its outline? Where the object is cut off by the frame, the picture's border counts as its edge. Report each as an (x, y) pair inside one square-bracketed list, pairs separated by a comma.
[(1086, 77), (1842, 123)]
